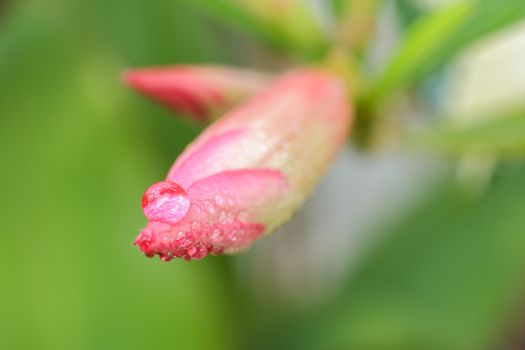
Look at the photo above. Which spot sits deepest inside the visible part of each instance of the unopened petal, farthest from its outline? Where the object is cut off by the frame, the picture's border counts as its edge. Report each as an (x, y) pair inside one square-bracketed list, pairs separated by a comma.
[(248, 172), (201, 93)]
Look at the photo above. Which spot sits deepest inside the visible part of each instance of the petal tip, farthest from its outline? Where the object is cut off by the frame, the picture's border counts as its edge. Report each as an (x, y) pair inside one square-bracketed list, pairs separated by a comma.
[(169, 241)]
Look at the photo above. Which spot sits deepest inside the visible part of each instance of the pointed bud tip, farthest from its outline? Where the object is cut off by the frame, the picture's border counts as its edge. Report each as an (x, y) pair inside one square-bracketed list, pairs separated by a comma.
[(169, 241), (160, 239), (131, 77)]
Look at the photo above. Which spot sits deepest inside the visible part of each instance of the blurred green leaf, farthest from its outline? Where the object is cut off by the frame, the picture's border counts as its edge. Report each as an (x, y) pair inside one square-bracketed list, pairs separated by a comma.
[(421, 42), (408, 12), (293, 31), (439, 36), (447, 278), (503, 133), (340, 6)]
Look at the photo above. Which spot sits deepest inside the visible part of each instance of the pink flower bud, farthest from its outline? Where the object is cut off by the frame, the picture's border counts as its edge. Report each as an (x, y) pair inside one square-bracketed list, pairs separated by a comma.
[(201, 93), (249, 171)]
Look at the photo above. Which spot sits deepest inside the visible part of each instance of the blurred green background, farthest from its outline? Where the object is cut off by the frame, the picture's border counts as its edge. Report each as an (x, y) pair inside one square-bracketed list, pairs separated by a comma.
[(78, 149)]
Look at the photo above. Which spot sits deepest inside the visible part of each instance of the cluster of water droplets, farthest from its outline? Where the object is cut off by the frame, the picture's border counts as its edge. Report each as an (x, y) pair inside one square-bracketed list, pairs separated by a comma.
[(212, 226), (198, 241)]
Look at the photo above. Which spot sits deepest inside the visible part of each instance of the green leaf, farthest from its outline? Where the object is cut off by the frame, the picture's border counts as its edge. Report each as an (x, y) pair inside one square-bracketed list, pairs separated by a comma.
[(436, 38), (340, 6), (292, 31), (407, 12), (503, 134), (422, 41)]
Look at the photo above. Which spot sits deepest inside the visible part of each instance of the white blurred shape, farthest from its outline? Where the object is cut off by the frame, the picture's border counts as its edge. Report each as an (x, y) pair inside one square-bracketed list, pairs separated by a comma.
[(489, 77)]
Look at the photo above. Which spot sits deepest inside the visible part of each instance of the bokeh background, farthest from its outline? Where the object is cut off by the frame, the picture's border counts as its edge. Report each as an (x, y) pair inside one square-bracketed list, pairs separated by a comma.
[(400, 248)]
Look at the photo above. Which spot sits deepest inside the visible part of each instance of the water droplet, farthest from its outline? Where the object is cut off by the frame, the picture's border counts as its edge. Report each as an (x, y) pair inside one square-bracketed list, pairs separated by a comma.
[(192, 251), (166, 257), (165, 202)]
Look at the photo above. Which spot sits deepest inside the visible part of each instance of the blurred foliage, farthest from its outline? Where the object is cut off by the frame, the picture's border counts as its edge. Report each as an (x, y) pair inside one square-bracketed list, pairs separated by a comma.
[(407, 12), (339, 6), (288, 26), (437, 37), (448, 278), (502, 134), (79, 150), (422, 42)]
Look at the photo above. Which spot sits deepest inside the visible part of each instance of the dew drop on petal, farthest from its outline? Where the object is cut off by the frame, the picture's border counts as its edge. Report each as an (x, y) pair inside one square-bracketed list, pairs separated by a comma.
[(165, 202)]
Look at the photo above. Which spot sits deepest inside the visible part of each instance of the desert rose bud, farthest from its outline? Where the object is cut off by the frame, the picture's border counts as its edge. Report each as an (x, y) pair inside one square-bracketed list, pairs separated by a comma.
[(249, 171), (201, 93)]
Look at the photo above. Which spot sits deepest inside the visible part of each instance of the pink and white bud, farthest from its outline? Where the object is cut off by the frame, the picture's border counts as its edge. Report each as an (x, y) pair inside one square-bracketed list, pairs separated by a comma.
[(248, 172), (201, 93)]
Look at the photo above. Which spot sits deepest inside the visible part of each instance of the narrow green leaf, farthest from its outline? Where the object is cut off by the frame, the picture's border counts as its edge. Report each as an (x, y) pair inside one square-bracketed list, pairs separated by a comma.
[(503, 134), (224, 10), (436, 38), (407, 12), (340, 6), (292, 31), (422, 41)]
